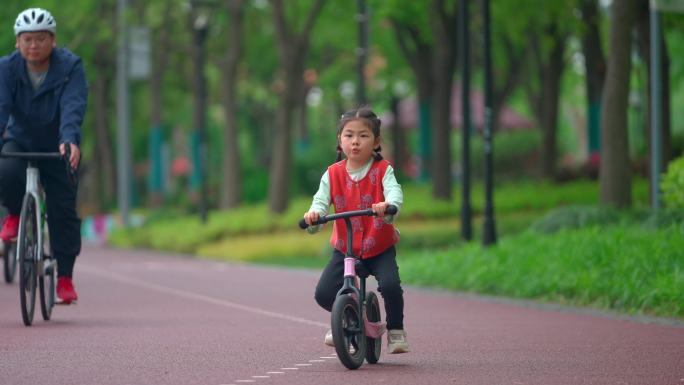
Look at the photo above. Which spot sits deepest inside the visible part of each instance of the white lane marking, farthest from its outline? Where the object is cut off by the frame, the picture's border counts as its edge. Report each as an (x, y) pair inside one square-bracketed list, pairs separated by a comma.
[(327, 357), (199, 297), (245, 381)]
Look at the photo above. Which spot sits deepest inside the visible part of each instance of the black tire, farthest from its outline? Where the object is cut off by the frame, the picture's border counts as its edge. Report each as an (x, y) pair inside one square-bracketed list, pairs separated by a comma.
[(10, 261), (347, 331), (47, 291), (373, 345), (27, 247)]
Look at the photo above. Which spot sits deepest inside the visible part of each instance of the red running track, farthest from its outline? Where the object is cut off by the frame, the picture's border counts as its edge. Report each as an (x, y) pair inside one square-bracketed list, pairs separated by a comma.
[(147, 318)]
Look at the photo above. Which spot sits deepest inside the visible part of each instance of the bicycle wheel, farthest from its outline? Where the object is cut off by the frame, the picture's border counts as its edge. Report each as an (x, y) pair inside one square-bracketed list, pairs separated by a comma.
[(10, 261), (27, 246), (347, 331), (47, 290), (373, 345)]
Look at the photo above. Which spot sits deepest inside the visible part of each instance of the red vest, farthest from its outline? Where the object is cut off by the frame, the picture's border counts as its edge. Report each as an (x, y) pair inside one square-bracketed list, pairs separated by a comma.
[(372, 235)]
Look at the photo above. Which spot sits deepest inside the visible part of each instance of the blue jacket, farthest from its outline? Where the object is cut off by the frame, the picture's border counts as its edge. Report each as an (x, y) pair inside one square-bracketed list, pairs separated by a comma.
[(41, 120)]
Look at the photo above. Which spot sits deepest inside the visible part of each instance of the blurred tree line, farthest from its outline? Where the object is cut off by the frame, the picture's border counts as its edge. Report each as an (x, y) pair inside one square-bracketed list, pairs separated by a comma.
[(281, 72)]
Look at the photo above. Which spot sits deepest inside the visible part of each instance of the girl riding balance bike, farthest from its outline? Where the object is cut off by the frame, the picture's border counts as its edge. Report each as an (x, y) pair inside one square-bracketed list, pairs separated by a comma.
[(363, 180)]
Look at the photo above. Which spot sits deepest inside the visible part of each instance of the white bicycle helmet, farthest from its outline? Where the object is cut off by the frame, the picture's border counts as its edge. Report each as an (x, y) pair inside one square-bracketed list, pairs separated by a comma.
[(35, 19)]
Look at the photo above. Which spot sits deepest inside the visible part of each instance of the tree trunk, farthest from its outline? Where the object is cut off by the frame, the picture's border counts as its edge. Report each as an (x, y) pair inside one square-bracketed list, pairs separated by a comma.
[(292, 51), (104, 158), (419, 55), (595, 67), (506, 79), (444, 63), (398, 139), (551, 74), (614, 172), (545, 101), (160, 63), (231, 183)]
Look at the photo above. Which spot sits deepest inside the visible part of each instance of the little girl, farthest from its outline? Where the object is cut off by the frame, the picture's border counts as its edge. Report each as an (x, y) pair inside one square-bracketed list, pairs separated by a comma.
[(363, 180)]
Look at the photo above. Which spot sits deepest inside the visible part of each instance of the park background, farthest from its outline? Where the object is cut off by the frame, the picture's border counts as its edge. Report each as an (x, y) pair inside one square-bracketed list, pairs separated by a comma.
[(255, 89)]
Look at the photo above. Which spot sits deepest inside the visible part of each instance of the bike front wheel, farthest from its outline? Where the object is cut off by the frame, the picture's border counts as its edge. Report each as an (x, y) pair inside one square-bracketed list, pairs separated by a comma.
[(47, 291), (27, 247), (347, 330), (373, 345)]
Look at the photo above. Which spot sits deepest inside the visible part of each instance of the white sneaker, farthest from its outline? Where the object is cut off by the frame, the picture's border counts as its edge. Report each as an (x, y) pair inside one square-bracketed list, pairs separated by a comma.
[(328, 338), (396, 342)]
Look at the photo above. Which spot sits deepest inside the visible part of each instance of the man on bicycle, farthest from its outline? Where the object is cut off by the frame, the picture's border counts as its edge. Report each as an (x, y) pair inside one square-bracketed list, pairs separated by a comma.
[(43, 96)]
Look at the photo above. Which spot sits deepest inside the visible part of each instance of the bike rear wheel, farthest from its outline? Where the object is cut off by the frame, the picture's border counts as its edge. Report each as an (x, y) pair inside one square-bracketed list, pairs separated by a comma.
[(10, 261), (373, 345), (347, 331), (47, 290), (27, 247)]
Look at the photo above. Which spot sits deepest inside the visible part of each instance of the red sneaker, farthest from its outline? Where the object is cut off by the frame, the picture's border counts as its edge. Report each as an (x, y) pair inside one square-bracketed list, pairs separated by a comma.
[(10, 228), (65, 290)]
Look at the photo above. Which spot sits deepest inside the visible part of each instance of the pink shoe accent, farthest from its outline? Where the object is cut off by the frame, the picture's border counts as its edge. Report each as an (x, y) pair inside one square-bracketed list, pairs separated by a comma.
[(374, 329)]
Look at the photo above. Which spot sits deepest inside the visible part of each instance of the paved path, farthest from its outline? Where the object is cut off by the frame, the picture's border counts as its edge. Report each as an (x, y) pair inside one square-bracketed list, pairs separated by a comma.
[(146, 318)]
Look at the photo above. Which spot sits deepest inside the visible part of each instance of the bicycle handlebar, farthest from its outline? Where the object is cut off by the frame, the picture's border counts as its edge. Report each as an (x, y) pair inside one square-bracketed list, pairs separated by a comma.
[(391, 210), (33, 156)]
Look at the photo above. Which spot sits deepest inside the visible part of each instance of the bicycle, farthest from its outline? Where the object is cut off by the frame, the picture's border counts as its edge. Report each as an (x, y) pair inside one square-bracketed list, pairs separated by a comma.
[(355, 337), (37, 265)]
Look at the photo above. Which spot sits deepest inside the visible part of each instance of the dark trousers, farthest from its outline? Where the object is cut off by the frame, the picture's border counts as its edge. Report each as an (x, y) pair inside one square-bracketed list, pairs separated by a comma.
[(60, 200), (383, 267)]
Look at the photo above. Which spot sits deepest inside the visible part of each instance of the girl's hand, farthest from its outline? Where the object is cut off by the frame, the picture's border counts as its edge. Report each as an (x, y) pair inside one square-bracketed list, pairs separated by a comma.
[(379, 208), (310, 217)]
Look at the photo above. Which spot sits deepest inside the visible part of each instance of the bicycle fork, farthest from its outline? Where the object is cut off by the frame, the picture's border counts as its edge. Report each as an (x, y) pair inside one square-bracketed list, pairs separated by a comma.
[(44, 264), (357, 289)]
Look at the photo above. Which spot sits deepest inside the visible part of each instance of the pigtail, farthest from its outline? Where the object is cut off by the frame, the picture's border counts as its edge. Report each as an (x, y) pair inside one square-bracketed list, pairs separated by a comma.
[(339, 154), (376, 153)]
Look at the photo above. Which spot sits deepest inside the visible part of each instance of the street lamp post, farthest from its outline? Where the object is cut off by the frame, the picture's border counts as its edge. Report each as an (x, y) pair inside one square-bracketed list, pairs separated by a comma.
[(466, 227), (123, 117), (362, 50), (200, 27), (656, 118), (489, 231)]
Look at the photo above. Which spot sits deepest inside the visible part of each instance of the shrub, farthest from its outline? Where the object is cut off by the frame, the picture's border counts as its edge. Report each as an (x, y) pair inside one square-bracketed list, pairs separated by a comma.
[(672, 184), (574, 217)]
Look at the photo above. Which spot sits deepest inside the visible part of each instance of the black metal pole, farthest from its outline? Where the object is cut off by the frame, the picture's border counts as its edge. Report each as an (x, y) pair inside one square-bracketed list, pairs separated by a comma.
[(489, 230), (200, 116), (656, 118), (362, 50), (466, 226)]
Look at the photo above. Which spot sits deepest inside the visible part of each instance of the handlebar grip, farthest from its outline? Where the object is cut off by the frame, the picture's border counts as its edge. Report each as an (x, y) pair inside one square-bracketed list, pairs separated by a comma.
[(302, 224), (391, 210), (71, 172)]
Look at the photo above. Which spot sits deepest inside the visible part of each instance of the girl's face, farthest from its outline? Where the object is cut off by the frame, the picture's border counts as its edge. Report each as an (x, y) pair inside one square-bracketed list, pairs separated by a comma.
[(357, 142)]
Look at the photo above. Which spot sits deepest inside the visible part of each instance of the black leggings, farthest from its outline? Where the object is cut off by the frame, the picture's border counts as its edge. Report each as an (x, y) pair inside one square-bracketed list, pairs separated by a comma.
[(60, 200), (384, 267)]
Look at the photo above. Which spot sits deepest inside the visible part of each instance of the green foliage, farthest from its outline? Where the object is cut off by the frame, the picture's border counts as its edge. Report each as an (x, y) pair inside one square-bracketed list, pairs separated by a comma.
[(619, 267), (672, 184), (575, 217)]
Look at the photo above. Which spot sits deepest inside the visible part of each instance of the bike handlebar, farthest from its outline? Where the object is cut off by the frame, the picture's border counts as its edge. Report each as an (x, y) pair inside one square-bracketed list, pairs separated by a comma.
[(33, 156), (391, 210)]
